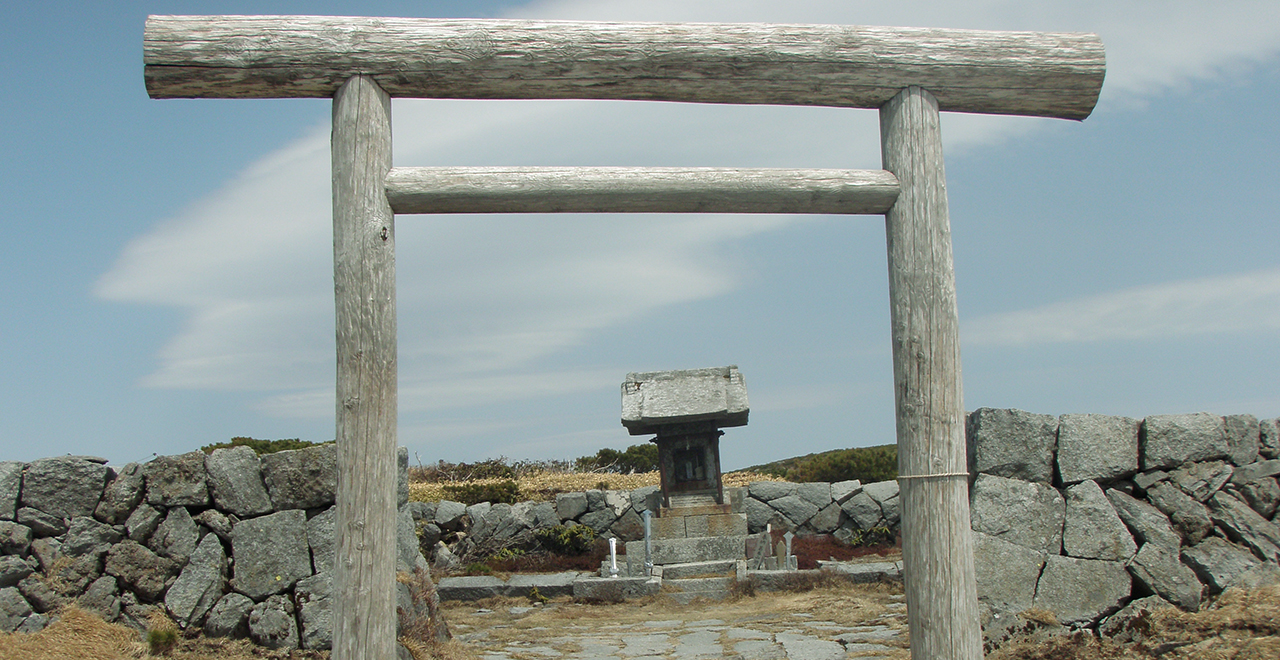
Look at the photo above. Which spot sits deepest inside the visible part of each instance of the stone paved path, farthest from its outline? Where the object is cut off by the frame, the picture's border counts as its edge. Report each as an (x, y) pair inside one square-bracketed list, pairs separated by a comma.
[(771, 636)]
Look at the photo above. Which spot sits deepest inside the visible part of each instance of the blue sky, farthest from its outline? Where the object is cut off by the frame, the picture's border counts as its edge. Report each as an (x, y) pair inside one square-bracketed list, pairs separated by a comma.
[(166, 269)]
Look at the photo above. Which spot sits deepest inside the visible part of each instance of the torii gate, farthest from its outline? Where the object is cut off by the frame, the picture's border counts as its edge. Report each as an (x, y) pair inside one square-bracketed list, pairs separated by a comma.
[(907, 74)]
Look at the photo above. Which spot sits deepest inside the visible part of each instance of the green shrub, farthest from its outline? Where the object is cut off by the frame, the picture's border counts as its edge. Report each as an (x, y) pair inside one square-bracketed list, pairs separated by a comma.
[(635, 459), (262, 446), (498, 492), (866, 464), (565, 540), (161, 640)]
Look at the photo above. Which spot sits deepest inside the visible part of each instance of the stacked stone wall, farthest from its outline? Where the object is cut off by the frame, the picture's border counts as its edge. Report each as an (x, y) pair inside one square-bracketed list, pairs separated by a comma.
[(1092, 517)]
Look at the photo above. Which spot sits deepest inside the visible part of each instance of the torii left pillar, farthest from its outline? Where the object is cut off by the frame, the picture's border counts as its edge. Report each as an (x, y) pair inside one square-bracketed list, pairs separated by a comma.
[(364, 281)]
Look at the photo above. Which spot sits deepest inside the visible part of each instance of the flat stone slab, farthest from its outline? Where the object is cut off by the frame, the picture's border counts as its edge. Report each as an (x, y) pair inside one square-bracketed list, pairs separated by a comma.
[(880, 571), (470, 587), (653, 399), (698, 569), (548, 585), (615, 589)]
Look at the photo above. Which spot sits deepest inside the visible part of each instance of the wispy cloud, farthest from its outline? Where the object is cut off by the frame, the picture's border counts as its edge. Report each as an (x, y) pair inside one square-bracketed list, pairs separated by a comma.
[(1248, 303), (482, 299)]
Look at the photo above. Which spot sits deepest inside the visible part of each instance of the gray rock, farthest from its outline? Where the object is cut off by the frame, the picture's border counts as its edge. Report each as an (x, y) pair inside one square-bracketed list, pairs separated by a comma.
[(1202, 480), (1262, 495), (271, 553), (654, 399), (229, 616), (1255, 471), (600, 521), (816, 493), (216, 522), (102, 598), (1132, 623), (1096, 447), (177, 480), (422, 511), (1081, 591), (481, 529), (141, 570), (862, 510), (1262, 575), (570, 505), (402, 475), (428, 534), (1243, 434), (74, 576), (41, 523), (843, 490), (882, 491), (826, 520), (35, 588), (10, 488), (1145, 480), (13, 609), (543, 514), (64, 487), (321, 536), (302, 478), (449, 515), (134, 614), (470, 587), (142, 523), (760, 514), (1012, 443), (176, 537), (13, 570), (272, 623), (35, 623), (1189, 517), (86, 535), (1025, 513), (235, 481), (1218, 562), (645, 498), (122, 495), (200, 585), (795, 509), (770, 490), (596, 500), (1145, 521), (15, 539), (1244, 525), (46, 551), (892, 511), (1269, 438), (614, 500), (315, 611), (629, 526), (1161, 572), (443, 559), (1006, 573), (1093, 529), (408, 556), (1171, 440)]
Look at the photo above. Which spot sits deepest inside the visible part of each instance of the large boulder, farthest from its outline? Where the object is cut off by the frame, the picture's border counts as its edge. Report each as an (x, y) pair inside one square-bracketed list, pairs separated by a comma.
[(1161, 572), (177, 480), (141, 570), (13, 609), (1202, 480), (770, 490), (272, 623), (1170, 440), (1081, 591), (449, 515), (1269, 438), (200, 585), (142, 523), (122, 495), (1096, 447), (1189, 517), (1145, 521), (322, 537), (176, 537), (1028, 514), (229, 616), (1262, 495), (795, 509), (15, 539), (102, 598), (1244, 525), (1218, 562), (1243, 435), (10, 488), (64, 487), (1093, 529), (271, 553), (862, 510), (1006, 573), (315, 611), (41, 523), (13, 570), (86, 534), (1012, 443), (235, 481), (570, 505), (302, 478)]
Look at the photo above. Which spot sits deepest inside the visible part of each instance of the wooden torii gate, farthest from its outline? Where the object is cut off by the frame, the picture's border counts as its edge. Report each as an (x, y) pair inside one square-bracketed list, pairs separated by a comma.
[(908, 74)]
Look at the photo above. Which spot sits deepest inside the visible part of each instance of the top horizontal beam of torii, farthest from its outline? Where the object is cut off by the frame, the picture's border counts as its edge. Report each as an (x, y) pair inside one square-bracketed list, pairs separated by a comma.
[(1013, 73)]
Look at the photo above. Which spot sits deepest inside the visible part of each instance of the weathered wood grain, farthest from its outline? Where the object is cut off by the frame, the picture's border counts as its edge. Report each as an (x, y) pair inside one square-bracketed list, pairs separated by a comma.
[(937, 545), (638, 190), (364, 282), (1019, 73)]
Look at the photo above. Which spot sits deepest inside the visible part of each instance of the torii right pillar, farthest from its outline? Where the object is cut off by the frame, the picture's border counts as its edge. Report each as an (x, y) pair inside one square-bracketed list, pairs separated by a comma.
[(937, 545)]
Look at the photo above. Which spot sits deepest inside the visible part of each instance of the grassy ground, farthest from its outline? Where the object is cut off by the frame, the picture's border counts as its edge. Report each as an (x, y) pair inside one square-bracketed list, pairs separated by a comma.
[(542, 486)]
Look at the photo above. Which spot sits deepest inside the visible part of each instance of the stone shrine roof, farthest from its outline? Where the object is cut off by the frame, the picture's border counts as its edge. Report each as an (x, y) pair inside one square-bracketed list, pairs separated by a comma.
[(654, 399)]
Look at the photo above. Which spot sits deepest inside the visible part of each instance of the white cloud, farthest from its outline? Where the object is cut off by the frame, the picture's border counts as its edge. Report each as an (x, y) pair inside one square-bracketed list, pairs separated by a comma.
[(483, 298), (1247, 303)]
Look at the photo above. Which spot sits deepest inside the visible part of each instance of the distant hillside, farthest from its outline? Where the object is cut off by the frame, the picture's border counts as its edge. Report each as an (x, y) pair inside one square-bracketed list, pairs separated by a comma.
[(866, 464)]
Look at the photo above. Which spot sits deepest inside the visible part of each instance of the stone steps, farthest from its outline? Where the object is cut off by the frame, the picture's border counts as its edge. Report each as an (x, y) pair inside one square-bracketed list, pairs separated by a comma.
[(686, 590)]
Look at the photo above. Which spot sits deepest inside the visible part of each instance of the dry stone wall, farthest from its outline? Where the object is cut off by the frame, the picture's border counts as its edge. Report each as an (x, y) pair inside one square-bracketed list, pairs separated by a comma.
[(1092, 517)]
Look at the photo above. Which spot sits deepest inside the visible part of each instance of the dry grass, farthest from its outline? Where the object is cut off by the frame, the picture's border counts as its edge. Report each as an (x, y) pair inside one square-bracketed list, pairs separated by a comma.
[(543, 486), (77, 634)]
